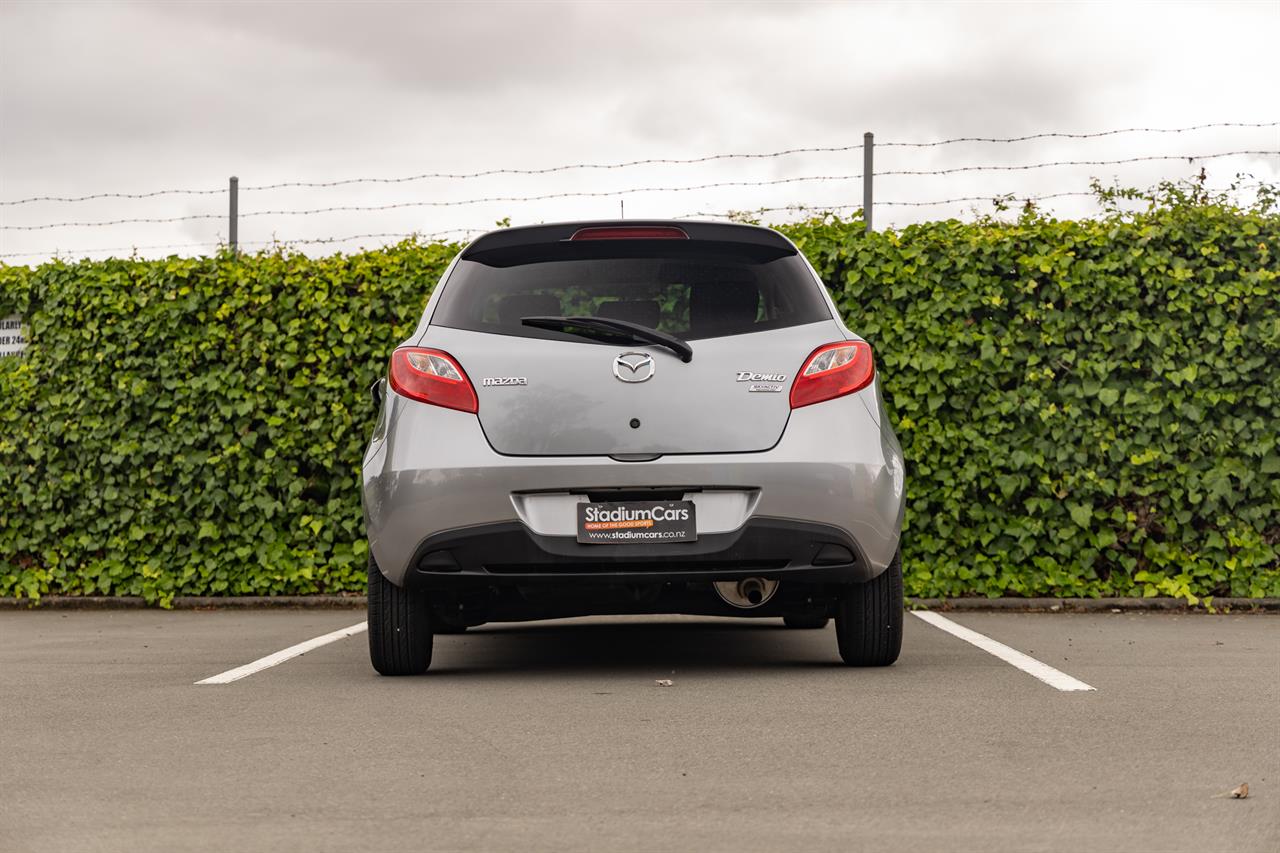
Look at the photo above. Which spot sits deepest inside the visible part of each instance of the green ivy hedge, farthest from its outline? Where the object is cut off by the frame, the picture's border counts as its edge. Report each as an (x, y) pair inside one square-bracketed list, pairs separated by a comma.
[(1087, 408), (195, 426)]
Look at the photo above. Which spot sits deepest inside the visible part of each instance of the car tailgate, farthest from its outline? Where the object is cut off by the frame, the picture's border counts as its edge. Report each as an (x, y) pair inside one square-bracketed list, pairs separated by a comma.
[(555, 397)]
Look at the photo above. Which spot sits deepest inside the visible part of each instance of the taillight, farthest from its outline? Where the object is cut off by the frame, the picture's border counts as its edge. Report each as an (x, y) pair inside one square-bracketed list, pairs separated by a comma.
[(831, 371), (630, 232), (432, 376)]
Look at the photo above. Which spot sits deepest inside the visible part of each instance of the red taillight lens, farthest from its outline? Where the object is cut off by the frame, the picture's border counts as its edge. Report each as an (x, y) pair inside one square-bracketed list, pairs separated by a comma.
[(639, 232), (432, 376), (831, 371)]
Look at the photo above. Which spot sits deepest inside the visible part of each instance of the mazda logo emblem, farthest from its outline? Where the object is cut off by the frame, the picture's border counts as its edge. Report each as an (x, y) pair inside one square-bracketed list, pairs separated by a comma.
[(633, 367)]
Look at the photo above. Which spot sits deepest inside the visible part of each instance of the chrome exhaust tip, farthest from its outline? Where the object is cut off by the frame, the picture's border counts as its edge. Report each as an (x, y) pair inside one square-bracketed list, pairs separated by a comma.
[(746, 593)]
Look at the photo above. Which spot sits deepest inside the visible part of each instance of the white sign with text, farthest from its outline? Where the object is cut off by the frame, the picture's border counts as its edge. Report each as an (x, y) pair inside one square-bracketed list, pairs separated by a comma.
[(12, 339)]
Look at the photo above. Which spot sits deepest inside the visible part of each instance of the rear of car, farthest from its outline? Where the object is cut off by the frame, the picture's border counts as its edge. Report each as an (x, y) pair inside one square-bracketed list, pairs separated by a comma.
[(632, 417)]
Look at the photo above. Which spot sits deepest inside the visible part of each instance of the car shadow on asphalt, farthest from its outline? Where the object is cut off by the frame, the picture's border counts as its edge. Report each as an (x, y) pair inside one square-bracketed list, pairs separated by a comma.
[(650, 647)]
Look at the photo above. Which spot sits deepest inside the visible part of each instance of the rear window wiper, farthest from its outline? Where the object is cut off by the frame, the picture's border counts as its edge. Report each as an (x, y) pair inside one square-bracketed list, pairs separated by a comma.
[(596, 326)]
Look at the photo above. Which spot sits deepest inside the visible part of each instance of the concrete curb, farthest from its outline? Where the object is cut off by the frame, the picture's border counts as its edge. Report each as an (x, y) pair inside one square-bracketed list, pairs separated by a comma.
[(189, 602), (354, 602), (1093, 605)]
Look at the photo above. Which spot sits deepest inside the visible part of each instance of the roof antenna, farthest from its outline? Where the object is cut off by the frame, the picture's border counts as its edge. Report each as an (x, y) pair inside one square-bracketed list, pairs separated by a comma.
[(622, 208)]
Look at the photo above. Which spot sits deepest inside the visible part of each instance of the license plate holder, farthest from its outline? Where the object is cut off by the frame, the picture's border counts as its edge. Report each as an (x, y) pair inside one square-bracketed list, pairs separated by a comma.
[(637, 522)]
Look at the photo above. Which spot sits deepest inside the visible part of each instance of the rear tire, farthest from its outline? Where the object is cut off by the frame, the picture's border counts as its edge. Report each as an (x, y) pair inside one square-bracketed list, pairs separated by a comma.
[(869, 619), (400, 638), (805, 622)]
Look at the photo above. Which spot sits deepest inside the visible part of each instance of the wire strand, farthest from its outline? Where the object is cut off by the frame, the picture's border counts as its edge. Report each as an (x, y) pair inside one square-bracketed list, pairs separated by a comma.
[(153, 194), (391, 234), (1095, 135), (1011, 198), (655, 161), (409, 204), (1190, 158), (834, 149), (57, 252), (274, 242), (443, 175)]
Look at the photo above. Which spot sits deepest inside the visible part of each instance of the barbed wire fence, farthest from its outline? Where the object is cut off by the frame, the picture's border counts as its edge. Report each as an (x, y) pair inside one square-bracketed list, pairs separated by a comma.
[(1269, 148)]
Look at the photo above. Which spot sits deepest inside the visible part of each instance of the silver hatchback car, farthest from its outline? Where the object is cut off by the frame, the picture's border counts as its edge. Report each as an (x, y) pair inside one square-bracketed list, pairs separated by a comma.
[(632, 417)]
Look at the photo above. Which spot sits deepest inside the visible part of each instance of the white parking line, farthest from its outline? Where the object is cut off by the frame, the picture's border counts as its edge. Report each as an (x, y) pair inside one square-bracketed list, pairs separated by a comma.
[(1050, 676), (283, 655)]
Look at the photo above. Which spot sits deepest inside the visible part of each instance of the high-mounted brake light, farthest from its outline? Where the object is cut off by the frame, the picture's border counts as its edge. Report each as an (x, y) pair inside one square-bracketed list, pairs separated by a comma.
[(432, 376), (637, 232), (831, 371)]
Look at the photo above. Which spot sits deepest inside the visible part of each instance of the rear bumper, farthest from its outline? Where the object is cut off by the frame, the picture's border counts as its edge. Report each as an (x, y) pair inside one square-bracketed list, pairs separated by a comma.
[(511, 554), (429, 474)]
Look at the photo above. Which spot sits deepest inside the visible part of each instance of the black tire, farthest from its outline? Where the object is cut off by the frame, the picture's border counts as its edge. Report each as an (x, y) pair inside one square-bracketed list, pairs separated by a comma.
[(869, 619), (400, 637), (806, 621)]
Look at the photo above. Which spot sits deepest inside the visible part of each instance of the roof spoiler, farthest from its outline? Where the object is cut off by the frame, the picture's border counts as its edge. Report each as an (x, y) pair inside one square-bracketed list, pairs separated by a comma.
[(721, 232)]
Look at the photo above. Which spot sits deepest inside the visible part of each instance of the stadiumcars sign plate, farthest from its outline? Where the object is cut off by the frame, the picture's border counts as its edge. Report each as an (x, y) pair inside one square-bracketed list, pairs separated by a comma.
[(636, 522)]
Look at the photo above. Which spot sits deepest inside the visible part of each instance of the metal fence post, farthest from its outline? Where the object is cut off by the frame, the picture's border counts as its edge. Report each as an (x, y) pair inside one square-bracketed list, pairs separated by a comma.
[(233, 192), (868, 150)]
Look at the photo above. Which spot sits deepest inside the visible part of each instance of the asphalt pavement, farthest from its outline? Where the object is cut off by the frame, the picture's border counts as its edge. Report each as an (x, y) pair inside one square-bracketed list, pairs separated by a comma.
[(557, 736)]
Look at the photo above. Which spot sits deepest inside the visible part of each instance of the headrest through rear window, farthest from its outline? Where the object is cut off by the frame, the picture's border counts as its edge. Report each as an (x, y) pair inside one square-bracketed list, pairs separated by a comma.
[(643, 311), (728, 307), (518, 305)]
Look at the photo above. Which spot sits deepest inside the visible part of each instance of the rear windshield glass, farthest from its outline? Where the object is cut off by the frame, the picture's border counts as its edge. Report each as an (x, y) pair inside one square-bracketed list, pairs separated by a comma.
[(691, 290)]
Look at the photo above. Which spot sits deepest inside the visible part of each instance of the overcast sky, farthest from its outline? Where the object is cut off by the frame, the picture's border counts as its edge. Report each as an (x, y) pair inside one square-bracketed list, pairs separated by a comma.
[(134, 97)]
